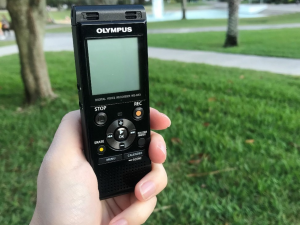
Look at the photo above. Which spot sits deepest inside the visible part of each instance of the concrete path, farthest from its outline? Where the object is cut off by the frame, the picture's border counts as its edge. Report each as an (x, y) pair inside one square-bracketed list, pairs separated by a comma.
[(223, 28), (260, 63), (63, 42)]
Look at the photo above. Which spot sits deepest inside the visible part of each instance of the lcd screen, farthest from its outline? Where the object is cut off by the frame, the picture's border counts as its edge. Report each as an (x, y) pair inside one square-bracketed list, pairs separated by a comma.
[(114, 65)]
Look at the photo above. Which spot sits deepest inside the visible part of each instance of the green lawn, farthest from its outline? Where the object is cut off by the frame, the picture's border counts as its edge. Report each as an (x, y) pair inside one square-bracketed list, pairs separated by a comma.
[(279, 43), (233, 147), (65, 29), (281, 19), (5, 43)]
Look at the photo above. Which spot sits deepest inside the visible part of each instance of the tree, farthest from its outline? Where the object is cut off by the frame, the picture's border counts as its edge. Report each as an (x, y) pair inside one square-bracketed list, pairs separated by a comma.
[(28, 19), (2, 4), (183, 8), (233, 19)]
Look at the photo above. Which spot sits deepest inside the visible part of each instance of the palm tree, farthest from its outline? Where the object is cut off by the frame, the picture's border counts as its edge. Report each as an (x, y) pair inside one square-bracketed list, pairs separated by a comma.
[(233, 19)]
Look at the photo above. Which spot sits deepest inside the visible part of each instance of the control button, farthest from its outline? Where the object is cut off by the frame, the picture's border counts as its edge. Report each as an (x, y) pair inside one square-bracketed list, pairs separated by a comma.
[(120, 122), (101, 118), (121, 134), (141, 142), (109, 159), (101, 149), (138, 113), (132, 132), (133, 154), (122, 145), (109, 136), (120, 114), (128, 137)]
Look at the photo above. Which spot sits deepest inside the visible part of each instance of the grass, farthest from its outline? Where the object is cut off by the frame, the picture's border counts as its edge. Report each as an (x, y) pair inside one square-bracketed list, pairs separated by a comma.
[(6, 43), (61, 15), (279, 19), (64, 29), (279, 43), (233, 147)]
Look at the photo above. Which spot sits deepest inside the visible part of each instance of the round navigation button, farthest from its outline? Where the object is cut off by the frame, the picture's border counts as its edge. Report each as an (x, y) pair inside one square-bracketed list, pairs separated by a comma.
[(100, 118), (138, 113), (121, 134)]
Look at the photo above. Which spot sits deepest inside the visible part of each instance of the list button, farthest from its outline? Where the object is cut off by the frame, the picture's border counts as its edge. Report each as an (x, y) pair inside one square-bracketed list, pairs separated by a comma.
[(133, 154)]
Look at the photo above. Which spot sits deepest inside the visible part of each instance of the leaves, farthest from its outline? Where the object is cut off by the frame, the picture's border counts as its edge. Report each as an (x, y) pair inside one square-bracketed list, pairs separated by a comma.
[(206, 124), (210, 173), (201, 157), (250, 141), (162, 208), (212, 99), (175, 140), (178, 109)]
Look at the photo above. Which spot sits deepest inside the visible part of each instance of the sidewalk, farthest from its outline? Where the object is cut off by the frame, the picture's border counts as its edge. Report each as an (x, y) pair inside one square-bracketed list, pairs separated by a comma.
[(63, 42), (269, 64)]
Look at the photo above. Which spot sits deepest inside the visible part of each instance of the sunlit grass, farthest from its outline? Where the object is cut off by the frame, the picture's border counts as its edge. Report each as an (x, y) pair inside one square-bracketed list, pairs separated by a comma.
[(233, 147)]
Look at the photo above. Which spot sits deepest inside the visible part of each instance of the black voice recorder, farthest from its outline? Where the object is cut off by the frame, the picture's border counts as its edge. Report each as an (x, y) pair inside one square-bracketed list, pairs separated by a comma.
[(111, 57)]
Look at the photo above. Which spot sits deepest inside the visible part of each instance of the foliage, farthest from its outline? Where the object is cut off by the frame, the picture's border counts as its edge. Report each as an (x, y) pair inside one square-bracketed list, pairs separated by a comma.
[(233, 147), (279, 43)]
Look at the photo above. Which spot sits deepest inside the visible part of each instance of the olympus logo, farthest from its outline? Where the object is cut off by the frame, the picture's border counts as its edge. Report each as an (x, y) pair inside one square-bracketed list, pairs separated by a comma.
[(114, 30)]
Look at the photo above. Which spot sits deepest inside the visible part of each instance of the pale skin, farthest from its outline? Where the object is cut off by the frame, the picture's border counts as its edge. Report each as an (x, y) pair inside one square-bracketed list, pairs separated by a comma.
[(67, 188)]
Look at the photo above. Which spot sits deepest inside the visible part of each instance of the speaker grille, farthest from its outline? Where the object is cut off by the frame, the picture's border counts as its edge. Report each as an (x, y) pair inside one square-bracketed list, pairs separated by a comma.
[(115, 179)]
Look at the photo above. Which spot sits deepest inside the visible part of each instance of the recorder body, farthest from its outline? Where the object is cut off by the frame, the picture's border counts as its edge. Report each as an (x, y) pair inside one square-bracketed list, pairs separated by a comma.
[(110, 47)]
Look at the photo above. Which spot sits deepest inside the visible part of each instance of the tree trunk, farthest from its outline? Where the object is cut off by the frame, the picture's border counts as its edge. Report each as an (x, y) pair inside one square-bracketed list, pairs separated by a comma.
[(2, 4), (233, 19), (183, 7), (28, 19)]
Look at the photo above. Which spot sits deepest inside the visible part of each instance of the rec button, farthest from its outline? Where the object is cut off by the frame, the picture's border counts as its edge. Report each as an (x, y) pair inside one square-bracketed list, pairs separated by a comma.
[(138, 113), (110, 159)]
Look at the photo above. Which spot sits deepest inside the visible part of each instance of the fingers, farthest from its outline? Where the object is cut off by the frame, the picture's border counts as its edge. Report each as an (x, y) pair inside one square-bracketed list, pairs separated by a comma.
[(136, 214), (152, 184), (66, 147), (158, 121), (157, 148)]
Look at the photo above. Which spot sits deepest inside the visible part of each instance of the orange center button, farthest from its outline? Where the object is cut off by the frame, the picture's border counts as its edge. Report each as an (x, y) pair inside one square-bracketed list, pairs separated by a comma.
[(138, 113)]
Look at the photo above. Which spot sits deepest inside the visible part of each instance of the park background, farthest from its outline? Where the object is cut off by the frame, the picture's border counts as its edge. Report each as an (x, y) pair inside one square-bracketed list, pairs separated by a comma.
[(234, 145)]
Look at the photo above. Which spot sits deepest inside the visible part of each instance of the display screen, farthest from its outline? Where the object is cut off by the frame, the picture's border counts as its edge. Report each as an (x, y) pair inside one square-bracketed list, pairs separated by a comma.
[(114, 65)]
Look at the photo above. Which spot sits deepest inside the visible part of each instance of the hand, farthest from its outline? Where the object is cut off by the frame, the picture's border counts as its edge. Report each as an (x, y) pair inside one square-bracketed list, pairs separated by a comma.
[(67, 188)]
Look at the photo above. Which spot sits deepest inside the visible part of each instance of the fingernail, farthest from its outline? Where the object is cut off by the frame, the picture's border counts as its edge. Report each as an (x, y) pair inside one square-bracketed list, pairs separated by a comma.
[(120, 222), (164, 115), (147, 189), (162, 147)]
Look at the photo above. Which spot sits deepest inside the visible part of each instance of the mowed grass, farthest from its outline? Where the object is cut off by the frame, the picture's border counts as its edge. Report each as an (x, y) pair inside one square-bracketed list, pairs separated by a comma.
[(6, 43), (233, 147), (279, 19), (278, 43)]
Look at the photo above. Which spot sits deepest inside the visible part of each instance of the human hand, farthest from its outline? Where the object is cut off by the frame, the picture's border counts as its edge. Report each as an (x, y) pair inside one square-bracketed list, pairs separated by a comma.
[(67, 188)]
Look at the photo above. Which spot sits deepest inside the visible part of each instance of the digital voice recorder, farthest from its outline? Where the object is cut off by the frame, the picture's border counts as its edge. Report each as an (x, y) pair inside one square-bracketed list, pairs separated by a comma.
[(111, 57)]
